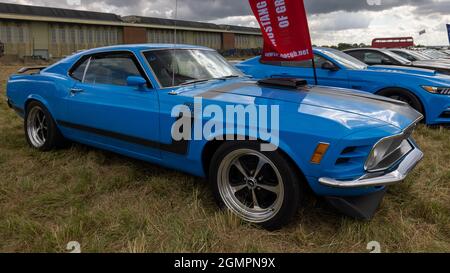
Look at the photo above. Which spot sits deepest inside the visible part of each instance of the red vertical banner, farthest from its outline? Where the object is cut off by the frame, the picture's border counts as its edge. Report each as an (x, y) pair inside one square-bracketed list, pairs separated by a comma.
[(285, 29)]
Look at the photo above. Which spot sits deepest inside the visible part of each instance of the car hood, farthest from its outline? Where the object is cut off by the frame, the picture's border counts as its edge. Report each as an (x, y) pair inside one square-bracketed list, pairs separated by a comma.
[(376, 108), (402, 69)]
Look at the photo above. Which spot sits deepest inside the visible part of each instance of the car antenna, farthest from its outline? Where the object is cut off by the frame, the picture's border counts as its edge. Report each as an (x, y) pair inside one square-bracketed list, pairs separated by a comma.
[(173, 92), (175, 43)]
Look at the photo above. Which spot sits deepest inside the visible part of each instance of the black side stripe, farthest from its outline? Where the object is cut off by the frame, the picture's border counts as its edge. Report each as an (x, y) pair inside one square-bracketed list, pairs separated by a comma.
[(176, 147)]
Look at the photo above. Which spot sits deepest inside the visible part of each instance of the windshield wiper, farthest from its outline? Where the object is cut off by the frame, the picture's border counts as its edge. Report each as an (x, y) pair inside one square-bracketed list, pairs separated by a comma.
[(212, 79), (227, 77), (195, 81)]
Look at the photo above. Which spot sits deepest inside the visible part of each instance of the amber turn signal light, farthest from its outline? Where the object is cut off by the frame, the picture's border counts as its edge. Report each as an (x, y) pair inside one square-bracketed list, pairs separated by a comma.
[(319, 153)]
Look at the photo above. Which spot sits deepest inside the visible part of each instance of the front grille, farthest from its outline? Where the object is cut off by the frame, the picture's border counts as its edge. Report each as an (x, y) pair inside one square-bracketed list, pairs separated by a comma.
[(445, 91), (353, 155), (446, 114)]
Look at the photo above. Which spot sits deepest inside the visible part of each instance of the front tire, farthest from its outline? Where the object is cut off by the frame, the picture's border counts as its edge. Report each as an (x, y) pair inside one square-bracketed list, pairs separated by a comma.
[(259, 187), (41, 130)]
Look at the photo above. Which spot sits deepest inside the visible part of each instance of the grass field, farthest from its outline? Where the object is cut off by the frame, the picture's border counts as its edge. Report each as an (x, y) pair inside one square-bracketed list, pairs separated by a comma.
[(110, 203)]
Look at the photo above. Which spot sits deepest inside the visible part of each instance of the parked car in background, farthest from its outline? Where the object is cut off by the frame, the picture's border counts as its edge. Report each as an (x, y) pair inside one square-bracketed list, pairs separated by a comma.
[(414, 55), (425, 90), (2, 49), (345, 145), (376, 56), (435, 54)]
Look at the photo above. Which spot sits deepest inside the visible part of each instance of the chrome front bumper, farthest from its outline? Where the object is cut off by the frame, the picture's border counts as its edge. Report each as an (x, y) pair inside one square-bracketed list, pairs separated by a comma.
[(371, 180)]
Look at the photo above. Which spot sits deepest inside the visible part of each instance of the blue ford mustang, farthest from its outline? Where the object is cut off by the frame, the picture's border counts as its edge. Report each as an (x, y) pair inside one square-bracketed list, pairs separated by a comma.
[(425, 90), (346, 146)]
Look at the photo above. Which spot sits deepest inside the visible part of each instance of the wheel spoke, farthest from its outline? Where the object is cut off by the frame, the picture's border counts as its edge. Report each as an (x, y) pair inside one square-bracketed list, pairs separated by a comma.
[(261, 164), (274, 189), (239, 166), (238, 188), (41, 135), (255, 200), (38, 117)]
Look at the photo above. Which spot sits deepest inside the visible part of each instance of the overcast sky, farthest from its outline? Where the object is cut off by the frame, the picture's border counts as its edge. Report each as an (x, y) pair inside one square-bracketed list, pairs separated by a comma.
[(331, 21)]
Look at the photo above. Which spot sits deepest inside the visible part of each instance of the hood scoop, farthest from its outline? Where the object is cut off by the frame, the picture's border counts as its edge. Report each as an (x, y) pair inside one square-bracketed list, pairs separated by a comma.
[(293, 83)]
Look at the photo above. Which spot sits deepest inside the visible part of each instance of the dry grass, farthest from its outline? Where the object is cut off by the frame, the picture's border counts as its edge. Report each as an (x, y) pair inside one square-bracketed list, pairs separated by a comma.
[(111, 203)]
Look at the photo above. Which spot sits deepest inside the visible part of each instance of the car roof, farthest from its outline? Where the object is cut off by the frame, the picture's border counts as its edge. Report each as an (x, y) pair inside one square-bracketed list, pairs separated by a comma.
[(399, 49), (141, 47), (364, 48)]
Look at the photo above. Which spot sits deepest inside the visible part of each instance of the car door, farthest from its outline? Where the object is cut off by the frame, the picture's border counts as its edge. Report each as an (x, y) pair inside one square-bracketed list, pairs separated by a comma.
[(337, 77), (304, 70), (102, 109)]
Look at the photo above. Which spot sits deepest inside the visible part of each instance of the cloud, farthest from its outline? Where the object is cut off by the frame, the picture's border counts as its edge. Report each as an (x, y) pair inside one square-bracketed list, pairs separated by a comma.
[(340, 20), (218, 9), (331, 21)]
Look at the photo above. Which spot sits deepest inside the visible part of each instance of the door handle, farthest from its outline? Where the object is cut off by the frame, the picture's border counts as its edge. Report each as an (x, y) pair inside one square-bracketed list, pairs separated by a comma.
[(75, 91)]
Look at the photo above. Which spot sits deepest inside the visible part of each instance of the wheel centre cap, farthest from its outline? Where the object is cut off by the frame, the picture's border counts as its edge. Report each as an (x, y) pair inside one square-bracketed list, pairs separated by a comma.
[(251, 183)]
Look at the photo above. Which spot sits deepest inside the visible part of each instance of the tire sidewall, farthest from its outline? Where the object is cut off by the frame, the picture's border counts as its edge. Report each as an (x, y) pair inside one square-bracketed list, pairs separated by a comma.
[(290, 180), (52, 129)]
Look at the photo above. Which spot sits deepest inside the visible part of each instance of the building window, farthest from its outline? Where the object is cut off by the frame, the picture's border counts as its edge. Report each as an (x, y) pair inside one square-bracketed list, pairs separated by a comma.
[(62, 35), (20, 34), (8, 34), (90, 36), (53, 35), (98, 37), (81, 34), (72, 35), (105, 36)]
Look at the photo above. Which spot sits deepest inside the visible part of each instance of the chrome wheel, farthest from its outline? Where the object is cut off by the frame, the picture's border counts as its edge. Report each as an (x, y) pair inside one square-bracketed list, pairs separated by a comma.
[(250, 185), (37, 127)]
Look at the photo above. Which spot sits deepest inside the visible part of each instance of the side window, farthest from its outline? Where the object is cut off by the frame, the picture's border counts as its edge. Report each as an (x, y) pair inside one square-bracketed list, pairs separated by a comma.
[(374, 58), (113, 69), (78, 72), (319, 60), (357, 54)]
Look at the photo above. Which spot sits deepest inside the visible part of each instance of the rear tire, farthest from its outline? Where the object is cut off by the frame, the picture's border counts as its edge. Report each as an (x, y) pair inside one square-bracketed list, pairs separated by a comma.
[(259, 187), (41, 131), (404, 96)]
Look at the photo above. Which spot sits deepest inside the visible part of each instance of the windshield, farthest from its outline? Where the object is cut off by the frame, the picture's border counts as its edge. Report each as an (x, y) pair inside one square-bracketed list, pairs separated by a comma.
[(419, 56), (435, 54), (396, 57), (343, 59), (174, 67)]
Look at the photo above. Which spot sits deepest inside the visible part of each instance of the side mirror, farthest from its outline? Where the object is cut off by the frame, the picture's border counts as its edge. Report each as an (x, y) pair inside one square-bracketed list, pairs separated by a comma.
[(329, 66), (135, 81)]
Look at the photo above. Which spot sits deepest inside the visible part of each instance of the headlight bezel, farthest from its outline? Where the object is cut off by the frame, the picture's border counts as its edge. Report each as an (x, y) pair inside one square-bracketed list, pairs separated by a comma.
[(403, 142)]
